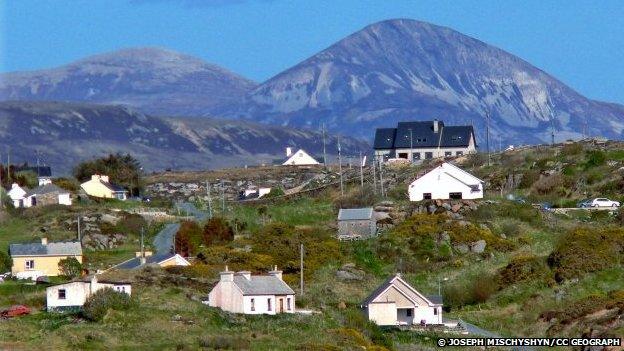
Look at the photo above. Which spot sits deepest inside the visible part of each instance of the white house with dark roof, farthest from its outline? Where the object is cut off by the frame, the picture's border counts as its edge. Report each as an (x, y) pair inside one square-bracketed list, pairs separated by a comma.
[(241, 292), (73, 295), (17, 194), (423, 140), (397, 303), (445, 182), (299, 158), (356, 223)]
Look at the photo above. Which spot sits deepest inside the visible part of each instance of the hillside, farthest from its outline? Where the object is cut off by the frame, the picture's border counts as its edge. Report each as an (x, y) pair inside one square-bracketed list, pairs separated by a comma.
[(66, 133), (535, 273), (153, 80), (405, 69)]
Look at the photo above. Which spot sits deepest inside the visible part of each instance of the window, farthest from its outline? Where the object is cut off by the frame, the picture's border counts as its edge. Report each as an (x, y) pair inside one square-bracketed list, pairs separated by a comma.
[(455, 196), (403, 155), (61, 294), (253, 304), (417, 156), (426, 196), (288, 303), (409, 312), (428, 155), (435, 311), (448, 153), (269, 304), (30, 264), (459, 153)]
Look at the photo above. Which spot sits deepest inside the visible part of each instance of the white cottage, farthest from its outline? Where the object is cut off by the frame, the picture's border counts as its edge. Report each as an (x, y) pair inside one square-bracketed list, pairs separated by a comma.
[(446, 182), (259, 294), (299, 158), (396, 303), (17, 194), (73, 295)]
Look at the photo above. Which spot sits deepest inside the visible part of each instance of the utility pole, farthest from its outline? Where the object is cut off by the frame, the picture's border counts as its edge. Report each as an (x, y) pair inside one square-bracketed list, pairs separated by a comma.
[(361, 172), (209, 200), (79, 234), (142, 245), (301, 268), (324, 151), (552, 129), (487, 137), (340, 168), (374, 174), (411, 146), (222, 198), (381, 185)]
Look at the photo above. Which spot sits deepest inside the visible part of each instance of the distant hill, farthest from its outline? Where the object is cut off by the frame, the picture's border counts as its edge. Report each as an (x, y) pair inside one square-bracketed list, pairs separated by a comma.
[(66, 133), (156, 81)]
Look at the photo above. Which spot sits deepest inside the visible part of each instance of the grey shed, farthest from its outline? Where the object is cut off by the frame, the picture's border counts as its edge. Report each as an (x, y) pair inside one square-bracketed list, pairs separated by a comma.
[(356, 223)]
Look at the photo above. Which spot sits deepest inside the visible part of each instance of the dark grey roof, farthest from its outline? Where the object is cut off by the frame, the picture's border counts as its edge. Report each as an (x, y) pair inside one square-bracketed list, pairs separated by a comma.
[(435, 299), (46, 189), (352, 214), (51, 249), (40, 171), (135, 263), (262, 285), (114, 187), (422, 135)]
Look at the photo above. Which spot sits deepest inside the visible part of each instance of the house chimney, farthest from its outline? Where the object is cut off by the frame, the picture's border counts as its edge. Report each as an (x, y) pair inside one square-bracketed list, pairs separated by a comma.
[(288, 151), (144, 254), (14, 185), (246, 274), (276, 273), (104, 178), (226, 275), (44, 181), (44, 241), (436, 126), (95, 177)]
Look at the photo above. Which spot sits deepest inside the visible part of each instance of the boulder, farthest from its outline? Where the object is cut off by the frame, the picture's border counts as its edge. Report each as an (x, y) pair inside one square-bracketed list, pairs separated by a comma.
[(478, 246), (432, 208), (108, 218), (461, 248), (456, 207), (446, 206)]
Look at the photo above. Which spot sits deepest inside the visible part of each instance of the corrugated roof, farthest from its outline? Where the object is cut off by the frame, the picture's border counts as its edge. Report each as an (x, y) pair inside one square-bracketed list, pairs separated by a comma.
[(352, 214), (46, 189), (135, 263), (262, 285), (422, 135), (51, 249)]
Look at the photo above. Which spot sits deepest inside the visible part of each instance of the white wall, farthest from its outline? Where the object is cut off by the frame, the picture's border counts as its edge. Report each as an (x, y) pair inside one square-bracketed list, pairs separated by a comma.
[(64, 199), (262, 307), (226, 296), (427, 313), (440, 184), (76, 293), (300, 158), (383, 313)]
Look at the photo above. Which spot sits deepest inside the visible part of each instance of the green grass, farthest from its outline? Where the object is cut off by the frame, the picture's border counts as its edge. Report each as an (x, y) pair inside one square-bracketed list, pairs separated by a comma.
[(303, 211)]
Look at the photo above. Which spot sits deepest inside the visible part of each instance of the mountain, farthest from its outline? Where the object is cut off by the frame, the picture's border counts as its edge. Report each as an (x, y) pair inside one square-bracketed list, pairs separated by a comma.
[(409, 70), (67, 133), (156, 81)]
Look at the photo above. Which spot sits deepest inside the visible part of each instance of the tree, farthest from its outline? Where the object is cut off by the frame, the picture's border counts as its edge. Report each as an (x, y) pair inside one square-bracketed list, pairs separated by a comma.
[(217, 230), (122, 169), (188, 238), (70, 267), (5, 262)]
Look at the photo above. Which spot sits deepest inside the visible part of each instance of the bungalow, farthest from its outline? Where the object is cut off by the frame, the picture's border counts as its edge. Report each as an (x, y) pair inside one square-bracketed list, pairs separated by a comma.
[(46, 194), (444, 182), (17, 194), (161, 260), (299, 158), (395, 302), (73, 295), (356, 223), (243, 293), (41, 259), (100, 186)]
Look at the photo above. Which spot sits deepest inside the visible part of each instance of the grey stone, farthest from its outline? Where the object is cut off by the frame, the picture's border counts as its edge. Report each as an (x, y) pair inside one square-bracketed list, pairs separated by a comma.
[(478, 246), (461, 248)]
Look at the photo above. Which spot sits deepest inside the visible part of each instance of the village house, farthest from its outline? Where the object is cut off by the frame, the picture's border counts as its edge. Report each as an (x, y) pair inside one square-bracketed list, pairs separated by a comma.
[(253, 192), (445, 182), (396, 303), (41, 259), (73, 295), (415, 141), (46, 194), (259, 294), (299, 158), (100, 186), (147, 259), (356, 223), (17, 194)]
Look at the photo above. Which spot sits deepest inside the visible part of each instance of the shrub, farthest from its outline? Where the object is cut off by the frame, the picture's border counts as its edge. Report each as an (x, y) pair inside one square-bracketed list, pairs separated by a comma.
[(511, 228), (67, 184), (70, 267), (595, 158), (529, 177), (188, 239), (546, 185), (521, 268), (5, 262), (224, 342), (572, 149), (477, 289), (217, 230), (98, 304), (583, 250)]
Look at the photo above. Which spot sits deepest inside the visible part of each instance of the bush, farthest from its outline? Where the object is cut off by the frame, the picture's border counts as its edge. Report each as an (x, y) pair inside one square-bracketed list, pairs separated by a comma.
[(217, 230), (510, 228), (595, 158), (98, 304), (67, 184), (572, 149), (528, 178), (546, 185), (70, 267), (583, 250), (224, 342), (521, 268), (5, 262), (188, 239), (478, 289)]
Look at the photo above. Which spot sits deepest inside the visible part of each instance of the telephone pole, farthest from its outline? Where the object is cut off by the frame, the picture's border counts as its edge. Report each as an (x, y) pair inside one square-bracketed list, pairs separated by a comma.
[(361, 172), (324, 151), (487, 136), (222, 198), (209, 200), (340, 168), (374, 174), (381, 185)]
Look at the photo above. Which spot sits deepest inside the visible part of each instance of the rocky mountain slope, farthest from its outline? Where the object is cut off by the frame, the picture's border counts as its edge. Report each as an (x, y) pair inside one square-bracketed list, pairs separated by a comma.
[(156, 81), (405, 69), (65, 133)]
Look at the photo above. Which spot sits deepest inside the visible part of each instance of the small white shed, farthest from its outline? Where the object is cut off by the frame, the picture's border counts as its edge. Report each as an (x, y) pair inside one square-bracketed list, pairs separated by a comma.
[(446, 182)]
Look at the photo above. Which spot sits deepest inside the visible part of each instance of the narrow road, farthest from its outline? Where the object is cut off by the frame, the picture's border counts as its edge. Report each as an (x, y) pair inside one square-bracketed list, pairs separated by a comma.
[(474, 330), (163, 241)]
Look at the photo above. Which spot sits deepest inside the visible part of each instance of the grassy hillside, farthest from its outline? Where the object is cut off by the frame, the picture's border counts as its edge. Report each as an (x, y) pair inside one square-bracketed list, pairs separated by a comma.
[(540, 273)]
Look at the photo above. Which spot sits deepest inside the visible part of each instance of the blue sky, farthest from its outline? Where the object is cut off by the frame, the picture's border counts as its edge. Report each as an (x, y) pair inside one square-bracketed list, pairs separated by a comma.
[(579, 42)]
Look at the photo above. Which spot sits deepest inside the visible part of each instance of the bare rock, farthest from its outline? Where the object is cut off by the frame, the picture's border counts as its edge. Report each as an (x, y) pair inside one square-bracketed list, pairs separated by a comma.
[(461, 248), (456, 207), (478, 246)]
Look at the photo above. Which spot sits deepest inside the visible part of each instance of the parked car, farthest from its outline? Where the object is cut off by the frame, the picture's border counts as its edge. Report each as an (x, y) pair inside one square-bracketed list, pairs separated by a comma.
[(14, 311), (603, 202), (584, 203)]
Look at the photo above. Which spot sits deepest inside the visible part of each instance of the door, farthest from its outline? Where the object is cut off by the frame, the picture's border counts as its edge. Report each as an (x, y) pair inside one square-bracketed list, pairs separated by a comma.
[(281, 305)]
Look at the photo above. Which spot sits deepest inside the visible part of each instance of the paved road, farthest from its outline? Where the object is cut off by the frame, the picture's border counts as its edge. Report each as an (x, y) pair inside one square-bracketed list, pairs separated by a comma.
[(474, 330), (186, 207), (163, 241)]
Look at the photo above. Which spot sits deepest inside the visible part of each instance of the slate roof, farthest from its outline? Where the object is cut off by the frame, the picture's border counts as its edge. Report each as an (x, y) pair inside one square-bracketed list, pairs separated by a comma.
[(135, 263), (422, 136), (114, 187), (72, 248), (262, 285), (354, 214), (434, 299), (45, 189)]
